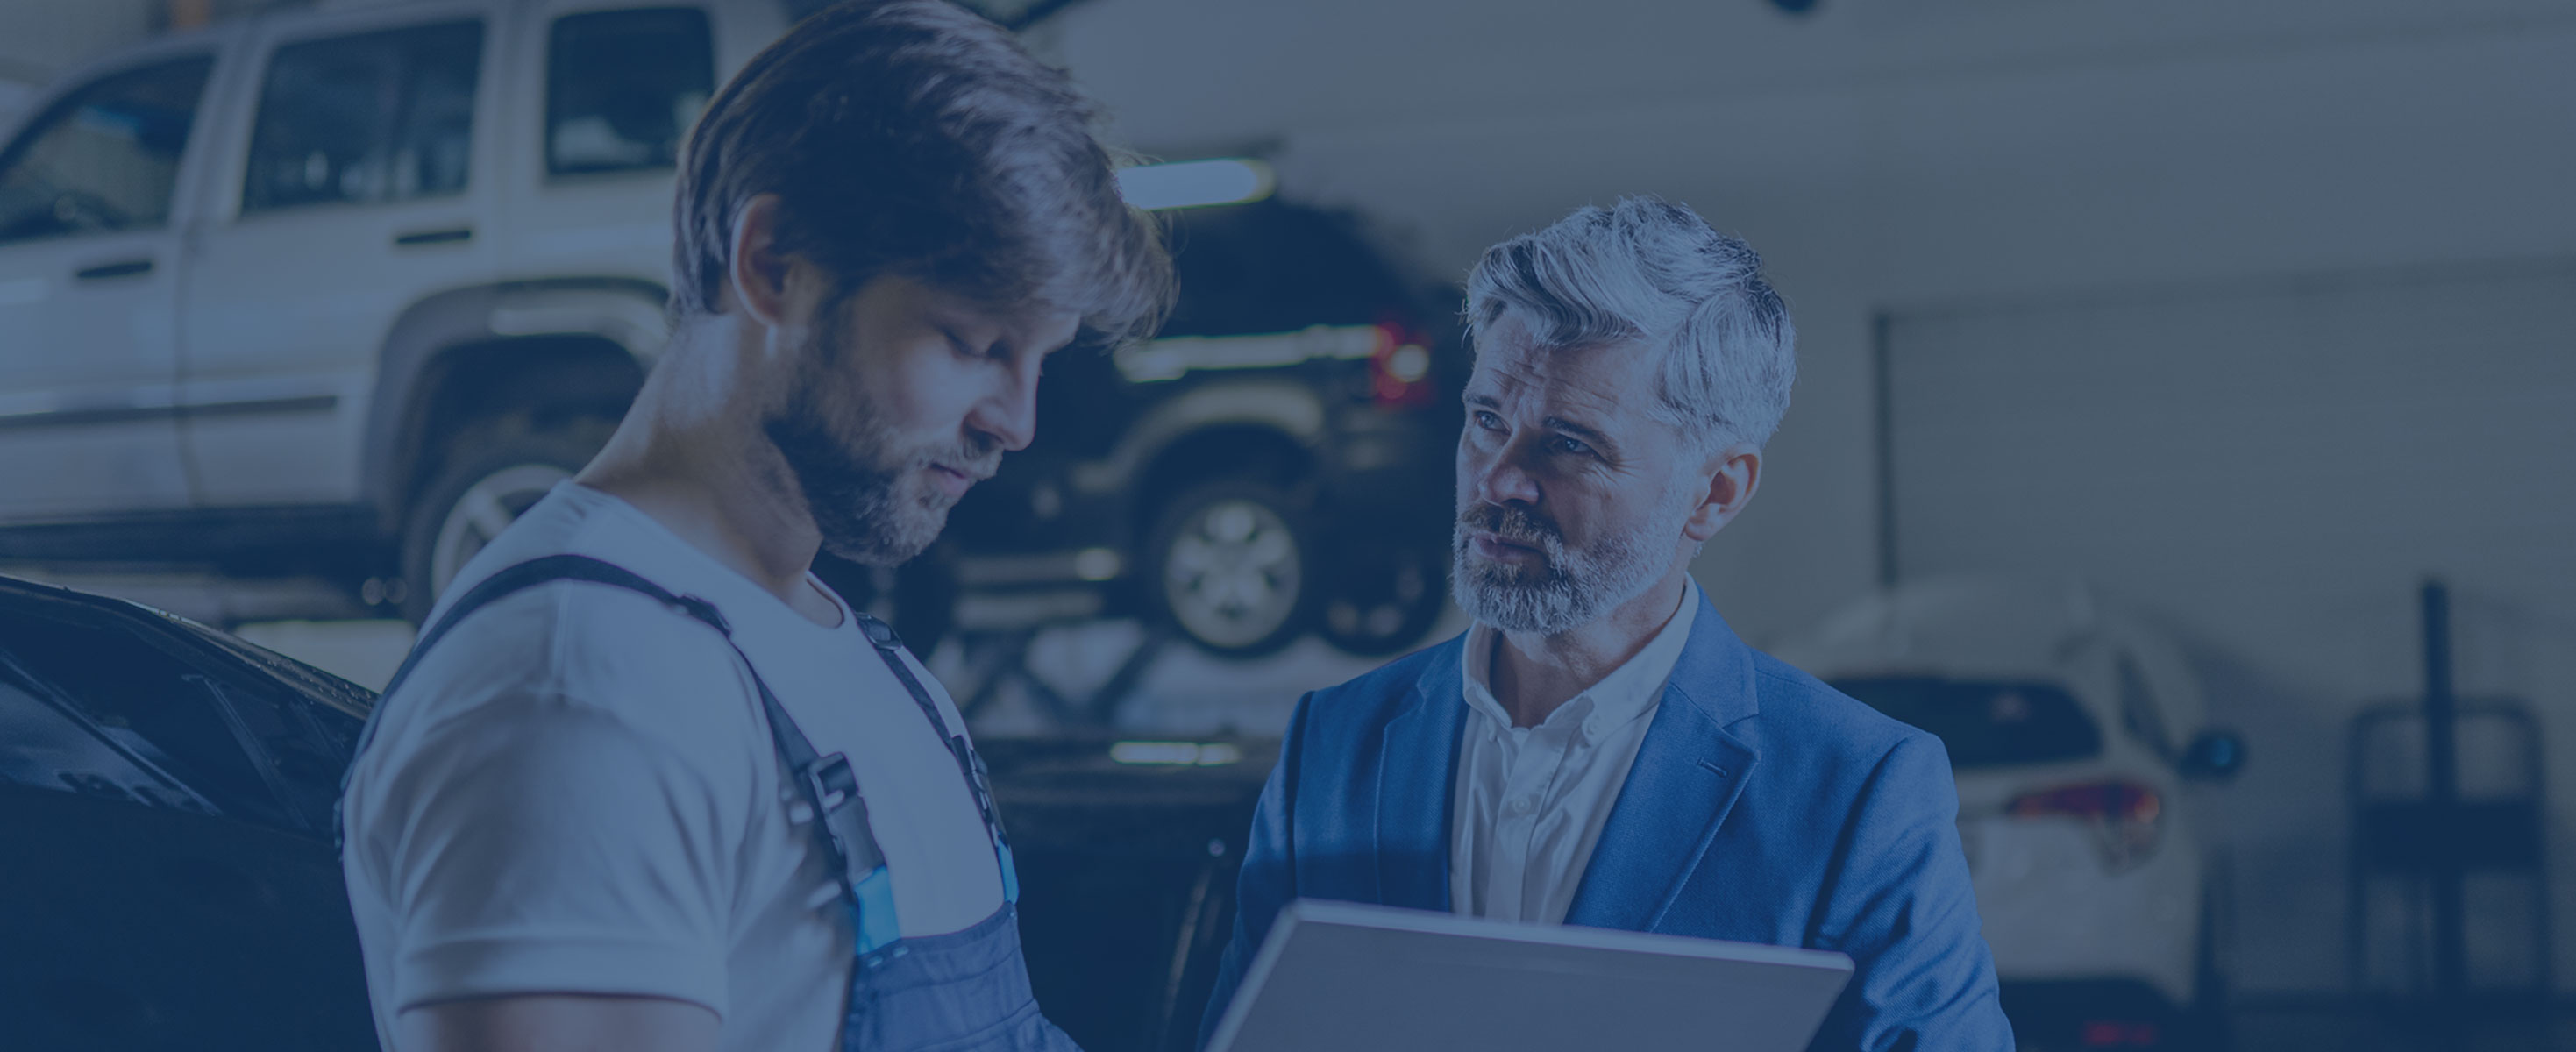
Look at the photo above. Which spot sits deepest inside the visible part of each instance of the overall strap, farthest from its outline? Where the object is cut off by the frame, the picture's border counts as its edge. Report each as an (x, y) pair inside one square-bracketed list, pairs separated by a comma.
[(970, 765)]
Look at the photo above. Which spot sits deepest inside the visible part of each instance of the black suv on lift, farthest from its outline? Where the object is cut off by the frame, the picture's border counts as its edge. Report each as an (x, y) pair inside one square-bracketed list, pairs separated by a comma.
[(1277, 461)]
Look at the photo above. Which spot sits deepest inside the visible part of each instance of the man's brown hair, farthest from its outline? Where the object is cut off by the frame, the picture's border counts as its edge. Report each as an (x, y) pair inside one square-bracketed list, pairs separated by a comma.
[(916, 137)]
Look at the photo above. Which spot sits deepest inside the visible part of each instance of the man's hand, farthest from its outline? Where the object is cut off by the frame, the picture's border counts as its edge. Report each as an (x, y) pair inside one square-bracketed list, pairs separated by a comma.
[(557, 1023)]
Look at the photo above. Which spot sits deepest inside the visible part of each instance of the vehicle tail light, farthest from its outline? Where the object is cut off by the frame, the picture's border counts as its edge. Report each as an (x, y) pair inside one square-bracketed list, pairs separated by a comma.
[(2105, 1033), (1400, 367), (2126, 817)]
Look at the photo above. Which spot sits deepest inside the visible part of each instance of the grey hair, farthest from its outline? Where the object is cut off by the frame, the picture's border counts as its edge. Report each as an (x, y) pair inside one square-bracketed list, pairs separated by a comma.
[(1649, 269)]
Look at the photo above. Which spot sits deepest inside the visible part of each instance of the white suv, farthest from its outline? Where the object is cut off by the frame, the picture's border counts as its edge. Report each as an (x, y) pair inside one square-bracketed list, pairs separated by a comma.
[(2084, 756), (371, 272)]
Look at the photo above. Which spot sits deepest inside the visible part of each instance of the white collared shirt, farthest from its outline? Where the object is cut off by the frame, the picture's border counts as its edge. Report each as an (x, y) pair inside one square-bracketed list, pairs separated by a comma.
[(1531, 800)]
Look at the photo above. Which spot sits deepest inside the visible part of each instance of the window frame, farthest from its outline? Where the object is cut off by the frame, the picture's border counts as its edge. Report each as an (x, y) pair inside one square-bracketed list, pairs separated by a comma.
[(543, 117), (201, 127), (255, 112), (228, 170)]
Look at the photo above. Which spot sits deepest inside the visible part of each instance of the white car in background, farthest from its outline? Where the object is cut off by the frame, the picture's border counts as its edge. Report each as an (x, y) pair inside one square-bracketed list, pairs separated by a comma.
[(2079, 737)]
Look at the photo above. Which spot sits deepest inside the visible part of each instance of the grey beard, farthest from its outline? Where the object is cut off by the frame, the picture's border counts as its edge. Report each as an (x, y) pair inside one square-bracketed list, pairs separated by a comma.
[(1566, 592)]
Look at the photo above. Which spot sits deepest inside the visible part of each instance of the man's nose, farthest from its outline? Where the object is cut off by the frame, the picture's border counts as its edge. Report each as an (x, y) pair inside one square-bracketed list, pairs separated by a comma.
[(1010, 413), (1503, 478)]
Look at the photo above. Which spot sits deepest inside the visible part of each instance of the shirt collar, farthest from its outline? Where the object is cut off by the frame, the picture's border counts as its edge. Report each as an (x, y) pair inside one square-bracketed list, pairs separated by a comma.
[(1628, 692)]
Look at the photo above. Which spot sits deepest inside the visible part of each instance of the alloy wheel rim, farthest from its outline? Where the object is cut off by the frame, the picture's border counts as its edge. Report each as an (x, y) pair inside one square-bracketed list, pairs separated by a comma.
[(1378, 618), (485, 509), (1233, 573)]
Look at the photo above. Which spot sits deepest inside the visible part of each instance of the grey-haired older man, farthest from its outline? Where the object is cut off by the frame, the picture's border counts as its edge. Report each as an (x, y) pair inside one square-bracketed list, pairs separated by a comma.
[(1599, 749)]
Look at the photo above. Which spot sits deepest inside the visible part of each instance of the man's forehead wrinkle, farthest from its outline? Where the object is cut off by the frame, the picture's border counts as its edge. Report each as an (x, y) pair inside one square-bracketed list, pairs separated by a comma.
[(1574, 384)]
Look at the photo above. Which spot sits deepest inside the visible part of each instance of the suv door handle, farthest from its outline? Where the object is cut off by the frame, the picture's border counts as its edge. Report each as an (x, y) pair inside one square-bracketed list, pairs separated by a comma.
[(120, 269), (435, 237)]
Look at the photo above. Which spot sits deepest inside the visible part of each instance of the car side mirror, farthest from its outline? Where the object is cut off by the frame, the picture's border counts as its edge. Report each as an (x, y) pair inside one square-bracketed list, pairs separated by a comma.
[(2213, 756)]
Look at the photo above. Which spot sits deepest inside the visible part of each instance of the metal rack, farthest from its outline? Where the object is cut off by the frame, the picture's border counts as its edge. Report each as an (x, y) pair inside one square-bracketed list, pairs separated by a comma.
[(2423, 839), (2404, 843)]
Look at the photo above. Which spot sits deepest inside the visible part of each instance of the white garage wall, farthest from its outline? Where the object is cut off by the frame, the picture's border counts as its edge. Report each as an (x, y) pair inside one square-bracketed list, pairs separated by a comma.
[(1924, 157), (40, 39), (2278, 464)]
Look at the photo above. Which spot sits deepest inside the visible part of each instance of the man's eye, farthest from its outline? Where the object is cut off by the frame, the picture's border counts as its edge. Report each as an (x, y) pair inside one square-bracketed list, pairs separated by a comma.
[(1488, 421), (1573, 446)]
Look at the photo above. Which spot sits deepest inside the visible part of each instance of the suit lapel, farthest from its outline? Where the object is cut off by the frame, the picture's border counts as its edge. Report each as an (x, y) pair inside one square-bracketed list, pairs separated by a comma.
[(1416, 770), (1687, 776)]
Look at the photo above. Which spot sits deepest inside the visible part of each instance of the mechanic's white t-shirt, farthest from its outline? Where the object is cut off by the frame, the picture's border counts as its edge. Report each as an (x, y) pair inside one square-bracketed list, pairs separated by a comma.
[(575, 793)]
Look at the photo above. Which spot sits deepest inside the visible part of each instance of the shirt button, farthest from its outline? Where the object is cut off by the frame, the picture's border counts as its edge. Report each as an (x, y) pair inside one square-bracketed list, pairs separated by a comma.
[(1521, 806)]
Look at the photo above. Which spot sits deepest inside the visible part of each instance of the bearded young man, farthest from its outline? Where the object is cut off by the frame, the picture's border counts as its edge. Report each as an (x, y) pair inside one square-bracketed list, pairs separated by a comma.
[(645, 784), (1599, 749)]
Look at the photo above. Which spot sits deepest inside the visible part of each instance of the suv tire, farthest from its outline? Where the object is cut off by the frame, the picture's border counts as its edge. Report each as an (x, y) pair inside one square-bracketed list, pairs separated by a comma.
[(490, 473), (1382, 598), (1232, 566)]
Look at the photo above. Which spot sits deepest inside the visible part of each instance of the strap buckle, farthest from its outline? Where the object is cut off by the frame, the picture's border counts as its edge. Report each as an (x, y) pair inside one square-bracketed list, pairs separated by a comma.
[(879, 633), (829, 782), (833, 789)]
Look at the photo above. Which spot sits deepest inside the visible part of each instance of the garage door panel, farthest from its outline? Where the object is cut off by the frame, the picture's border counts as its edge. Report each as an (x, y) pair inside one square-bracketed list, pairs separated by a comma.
[(2426, 421)]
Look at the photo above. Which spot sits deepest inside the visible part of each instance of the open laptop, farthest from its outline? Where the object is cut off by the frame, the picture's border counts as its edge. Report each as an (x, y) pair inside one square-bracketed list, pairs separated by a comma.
[(1351, 978)]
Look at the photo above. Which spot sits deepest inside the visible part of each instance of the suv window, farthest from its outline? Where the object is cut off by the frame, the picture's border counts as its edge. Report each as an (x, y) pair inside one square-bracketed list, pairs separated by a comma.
[(383, 116), (1274, 267), (104, 158), (1985, 724), (622, 88)]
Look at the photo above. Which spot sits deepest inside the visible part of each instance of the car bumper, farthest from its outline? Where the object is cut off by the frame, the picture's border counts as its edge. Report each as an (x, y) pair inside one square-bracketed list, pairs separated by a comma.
[(2054, 912), (2098, 1014)]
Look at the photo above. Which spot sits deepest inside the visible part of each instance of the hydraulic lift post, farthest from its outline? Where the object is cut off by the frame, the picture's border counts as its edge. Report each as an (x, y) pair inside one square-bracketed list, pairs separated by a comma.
[(2442, 795)]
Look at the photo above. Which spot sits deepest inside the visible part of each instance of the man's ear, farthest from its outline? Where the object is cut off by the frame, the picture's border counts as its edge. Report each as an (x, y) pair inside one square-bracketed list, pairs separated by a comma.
[(1733, 474), (760, 274)]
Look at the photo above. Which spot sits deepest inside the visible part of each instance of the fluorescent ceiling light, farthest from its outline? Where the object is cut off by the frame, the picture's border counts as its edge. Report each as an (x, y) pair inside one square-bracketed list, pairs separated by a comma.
[(1192, 184)]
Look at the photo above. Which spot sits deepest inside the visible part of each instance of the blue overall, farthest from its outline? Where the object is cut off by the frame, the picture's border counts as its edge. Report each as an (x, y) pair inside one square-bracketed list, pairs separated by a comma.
[(964, 991)]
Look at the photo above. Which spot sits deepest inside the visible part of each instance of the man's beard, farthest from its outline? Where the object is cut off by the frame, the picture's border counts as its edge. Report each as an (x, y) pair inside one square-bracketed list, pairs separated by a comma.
[(1567, 589), (867, 511)]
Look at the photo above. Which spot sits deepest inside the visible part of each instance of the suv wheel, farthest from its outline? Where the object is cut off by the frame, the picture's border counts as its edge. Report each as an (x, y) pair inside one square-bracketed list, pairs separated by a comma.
[(1231, 566), (491, 473), (1382, 599)]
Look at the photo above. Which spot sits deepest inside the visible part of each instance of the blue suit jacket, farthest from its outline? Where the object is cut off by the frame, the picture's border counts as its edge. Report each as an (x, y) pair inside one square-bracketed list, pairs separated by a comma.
[(1763, 807)]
